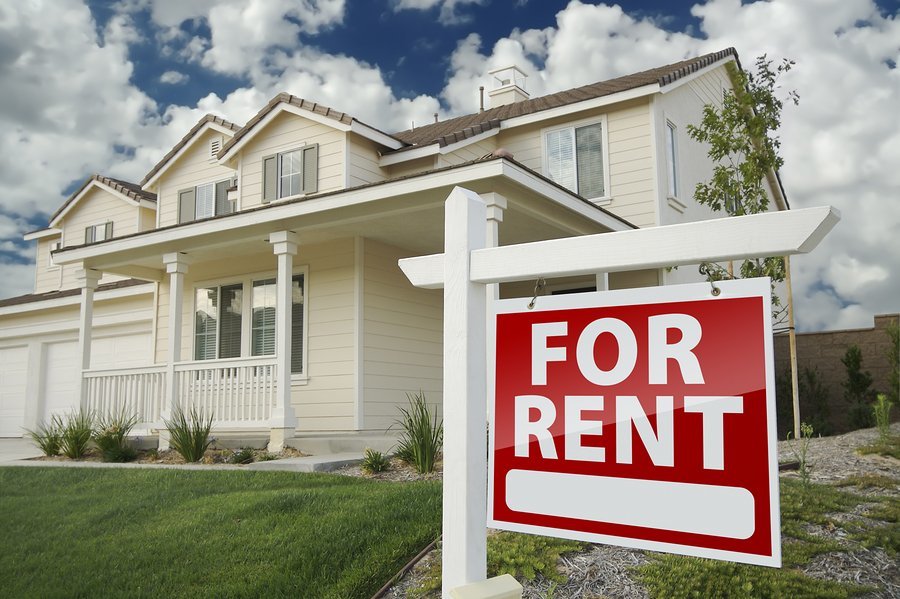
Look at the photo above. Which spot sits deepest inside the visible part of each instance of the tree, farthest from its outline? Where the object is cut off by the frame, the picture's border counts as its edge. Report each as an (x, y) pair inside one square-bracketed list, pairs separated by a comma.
[(743, 143), (857, 389)]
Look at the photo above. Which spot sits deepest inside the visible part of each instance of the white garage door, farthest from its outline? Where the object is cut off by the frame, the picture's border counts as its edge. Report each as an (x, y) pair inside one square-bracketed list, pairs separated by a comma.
[(13, 370), (61, 378)]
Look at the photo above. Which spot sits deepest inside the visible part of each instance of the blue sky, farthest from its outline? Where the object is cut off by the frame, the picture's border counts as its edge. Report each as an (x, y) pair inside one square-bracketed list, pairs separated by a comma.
[(109, 87)]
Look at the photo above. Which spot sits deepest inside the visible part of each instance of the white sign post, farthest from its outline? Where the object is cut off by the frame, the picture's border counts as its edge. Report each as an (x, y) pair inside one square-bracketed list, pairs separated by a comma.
[(466, 267)]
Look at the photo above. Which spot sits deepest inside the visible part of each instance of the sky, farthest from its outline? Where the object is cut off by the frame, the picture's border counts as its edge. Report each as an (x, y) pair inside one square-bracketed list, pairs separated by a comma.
[(91, 86)]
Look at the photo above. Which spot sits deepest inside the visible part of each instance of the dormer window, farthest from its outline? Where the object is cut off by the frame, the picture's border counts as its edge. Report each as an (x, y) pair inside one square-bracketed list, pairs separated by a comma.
[(95, 233), (205, 201), (291, 173)]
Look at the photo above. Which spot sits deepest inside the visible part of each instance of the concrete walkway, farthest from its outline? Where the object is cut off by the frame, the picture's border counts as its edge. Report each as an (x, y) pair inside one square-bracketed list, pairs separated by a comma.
[(18, 452)]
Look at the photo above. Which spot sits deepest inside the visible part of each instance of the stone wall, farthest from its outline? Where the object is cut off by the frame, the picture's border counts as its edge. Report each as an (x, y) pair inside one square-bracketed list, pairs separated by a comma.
[(824, 351)]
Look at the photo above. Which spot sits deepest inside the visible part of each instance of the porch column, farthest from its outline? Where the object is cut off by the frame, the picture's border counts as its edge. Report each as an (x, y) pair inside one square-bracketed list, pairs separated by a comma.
[(176, 266), (87, 279), (283, 422)]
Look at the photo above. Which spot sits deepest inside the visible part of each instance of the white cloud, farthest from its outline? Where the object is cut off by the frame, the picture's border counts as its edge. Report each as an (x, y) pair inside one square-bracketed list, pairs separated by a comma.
[(173, 78), (16, 279), (449, 9)]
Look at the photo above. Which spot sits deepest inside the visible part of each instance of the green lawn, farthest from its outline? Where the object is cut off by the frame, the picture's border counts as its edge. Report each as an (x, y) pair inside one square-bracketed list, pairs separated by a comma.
[(70, 532)]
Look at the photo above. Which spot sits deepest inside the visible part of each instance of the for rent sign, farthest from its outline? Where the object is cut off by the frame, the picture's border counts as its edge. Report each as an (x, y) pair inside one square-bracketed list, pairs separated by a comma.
[(643, 418)]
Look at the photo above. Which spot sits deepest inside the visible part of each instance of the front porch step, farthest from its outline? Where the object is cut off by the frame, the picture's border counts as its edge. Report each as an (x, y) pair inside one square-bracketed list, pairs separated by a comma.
[(314, 463)]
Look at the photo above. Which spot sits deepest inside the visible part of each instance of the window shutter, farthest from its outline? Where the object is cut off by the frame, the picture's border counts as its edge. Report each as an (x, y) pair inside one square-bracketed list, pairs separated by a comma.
[(223, 206), (108, 230), (88, 237), (310, 169), (270, 178), (186, 203)]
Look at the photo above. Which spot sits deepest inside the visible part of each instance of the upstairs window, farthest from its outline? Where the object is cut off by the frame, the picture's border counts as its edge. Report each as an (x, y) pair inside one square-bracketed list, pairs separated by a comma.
[(204, 201), (575, 158), (291, 173), (672, 159), (95, 233)]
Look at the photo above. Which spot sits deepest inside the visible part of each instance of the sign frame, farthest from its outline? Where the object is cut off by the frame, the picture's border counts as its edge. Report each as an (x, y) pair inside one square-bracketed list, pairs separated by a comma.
[(741, 288)]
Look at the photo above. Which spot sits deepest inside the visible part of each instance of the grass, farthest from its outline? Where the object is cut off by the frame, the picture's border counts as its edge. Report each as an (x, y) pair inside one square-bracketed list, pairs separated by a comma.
[(889, 447), (174, 533)]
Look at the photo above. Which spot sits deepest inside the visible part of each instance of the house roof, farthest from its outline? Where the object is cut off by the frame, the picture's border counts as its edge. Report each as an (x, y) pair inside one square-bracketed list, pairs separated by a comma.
[(50, 295), (127, 189), (459, 128), (203, 122), (314, 107)]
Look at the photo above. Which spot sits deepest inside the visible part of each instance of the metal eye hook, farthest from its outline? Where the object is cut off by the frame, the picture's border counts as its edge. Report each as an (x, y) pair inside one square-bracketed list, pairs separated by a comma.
[(538, 287)]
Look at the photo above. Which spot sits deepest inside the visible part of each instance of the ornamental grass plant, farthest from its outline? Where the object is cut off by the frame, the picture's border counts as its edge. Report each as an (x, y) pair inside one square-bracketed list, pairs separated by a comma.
[(111, 436), (48, 436), (76, 434), (189, 433), (422, 434)]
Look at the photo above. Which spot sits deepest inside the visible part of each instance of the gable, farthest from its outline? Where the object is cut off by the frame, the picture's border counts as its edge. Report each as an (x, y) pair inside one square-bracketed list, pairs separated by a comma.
[(209, 127), (97, 206)]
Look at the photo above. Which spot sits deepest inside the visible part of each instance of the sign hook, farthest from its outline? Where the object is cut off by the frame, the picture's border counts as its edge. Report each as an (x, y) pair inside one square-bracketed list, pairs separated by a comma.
[(538, 287)]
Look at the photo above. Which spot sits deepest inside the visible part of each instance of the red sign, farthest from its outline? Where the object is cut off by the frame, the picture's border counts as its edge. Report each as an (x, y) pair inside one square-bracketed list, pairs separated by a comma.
[(643, 418)]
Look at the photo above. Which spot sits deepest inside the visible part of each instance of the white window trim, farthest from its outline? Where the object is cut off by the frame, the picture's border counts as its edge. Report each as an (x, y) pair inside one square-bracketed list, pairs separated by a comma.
[(606, 198), (101, 226), (51, 265), (246, 281), (278, 151), (672, 165)]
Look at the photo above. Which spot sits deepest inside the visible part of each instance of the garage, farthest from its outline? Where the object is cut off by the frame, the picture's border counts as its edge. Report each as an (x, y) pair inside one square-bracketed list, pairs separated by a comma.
[(13, 377)]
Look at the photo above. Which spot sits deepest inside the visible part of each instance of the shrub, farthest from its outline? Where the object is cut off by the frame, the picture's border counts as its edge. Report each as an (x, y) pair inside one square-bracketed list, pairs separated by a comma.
[(856, 388), (190, 433), (111, 437), (76, 434), (48, 436), (893, 356), (881, 409), (244, 455), (814, 394), (374, 461), (422, 434)]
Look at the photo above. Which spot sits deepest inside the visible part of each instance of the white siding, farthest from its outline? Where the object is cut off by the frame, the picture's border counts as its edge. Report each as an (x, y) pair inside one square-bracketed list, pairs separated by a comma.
[(403, 338), (363, 161), (46, 278), (194, 167), (288, 131)]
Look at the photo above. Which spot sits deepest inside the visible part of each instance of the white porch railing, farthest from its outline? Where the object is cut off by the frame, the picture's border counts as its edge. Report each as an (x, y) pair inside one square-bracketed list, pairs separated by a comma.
[(137, 391), (238, 392)]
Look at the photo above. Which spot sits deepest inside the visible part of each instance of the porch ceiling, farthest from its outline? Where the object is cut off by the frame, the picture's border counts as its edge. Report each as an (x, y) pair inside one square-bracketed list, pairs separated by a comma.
[(407, 216)]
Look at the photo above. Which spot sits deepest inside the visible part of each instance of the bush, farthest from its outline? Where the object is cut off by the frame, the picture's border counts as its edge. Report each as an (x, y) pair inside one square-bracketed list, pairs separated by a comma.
[(374, 461), (111, 437), (76, 434), (856, 389), (48, 436), (882, 412), (244, 455), (190, 433), (422, 435), (893, 356)]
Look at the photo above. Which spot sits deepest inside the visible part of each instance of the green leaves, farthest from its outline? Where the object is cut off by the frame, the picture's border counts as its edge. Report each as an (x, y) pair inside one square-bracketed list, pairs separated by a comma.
[(190, 433), (422, 435)]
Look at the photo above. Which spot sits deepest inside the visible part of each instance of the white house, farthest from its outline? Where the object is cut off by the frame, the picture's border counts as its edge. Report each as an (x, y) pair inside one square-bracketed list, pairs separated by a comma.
[(174, 291)]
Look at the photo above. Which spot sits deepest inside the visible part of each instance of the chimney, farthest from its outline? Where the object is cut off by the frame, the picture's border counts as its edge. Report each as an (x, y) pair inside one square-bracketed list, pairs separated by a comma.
[(508, 86)]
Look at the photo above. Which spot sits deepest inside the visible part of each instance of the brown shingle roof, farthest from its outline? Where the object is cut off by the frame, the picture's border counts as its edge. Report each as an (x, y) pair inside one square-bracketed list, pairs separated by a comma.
[(209, 118), (49, 295), (130, 190), (320, 109), (452, 130)]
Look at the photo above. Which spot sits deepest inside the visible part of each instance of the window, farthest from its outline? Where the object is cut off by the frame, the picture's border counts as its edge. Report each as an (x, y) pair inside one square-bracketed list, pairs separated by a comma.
[(672, 159), (575, 159), (204, 201), (291, 173), (95, 233), (53, 247), (220, 312), (217, 322)]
